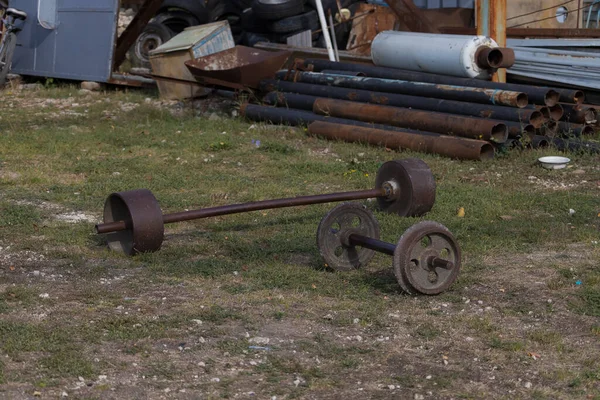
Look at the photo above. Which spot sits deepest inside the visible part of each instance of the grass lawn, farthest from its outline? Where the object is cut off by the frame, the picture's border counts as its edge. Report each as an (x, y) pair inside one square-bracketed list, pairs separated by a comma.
[(241, 306)]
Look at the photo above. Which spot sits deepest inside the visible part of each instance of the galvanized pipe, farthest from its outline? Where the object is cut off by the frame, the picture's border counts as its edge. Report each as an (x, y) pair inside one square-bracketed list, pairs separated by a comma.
[(448, 92), (253, 206), (400, 100), (450, 146), (537, 95), (454, 125)]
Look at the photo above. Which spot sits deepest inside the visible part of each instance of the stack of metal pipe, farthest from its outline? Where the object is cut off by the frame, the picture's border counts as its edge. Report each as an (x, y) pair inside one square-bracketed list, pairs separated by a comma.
[(457, 117)]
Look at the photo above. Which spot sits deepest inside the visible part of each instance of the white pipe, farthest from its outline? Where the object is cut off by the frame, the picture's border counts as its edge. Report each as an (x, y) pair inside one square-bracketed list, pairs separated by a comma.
[(324, 30), (335, 48), (453, 55)]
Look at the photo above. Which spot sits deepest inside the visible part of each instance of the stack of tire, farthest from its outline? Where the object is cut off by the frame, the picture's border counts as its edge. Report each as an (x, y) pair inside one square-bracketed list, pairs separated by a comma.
[(276, 20)]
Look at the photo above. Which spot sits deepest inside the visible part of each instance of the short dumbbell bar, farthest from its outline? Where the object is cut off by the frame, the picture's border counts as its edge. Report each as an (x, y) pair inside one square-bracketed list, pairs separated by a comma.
[(426, 259), (134, 222)]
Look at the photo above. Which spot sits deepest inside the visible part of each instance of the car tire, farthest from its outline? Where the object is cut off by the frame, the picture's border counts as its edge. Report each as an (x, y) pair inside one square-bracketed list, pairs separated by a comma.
[(301, 22), (153, 35), (176, 21), (251, 23), (277, 9)]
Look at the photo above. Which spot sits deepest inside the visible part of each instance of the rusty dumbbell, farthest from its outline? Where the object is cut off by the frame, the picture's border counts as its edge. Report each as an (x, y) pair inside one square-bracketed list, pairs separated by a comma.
[(426, 258), (134, 222)]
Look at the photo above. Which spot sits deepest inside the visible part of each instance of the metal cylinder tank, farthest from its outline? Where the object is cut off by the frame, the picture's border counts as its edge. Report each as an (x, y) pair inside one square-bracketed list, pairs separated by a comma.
[(454, 55)]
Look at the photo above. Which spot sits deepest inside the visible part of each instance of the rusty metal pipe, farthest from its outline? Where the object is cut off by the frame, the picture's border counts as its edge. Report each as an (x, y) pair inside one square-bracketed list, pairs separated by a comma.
[(537, 95), (579, 114), (517, 130), (577, 130), (461, 148), (253, 206), (555, 112), (400, 100), (571, 96), (454, 125), (490, 57), (338, 72), (508, 57), (447, 92), (539, 142)]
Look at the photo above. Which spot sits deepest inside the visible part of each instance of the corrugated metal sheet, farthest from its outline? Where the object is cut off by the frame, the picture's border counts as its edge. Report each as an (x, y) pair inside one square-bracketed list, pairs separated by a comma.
[(445, 3), (432, 4)]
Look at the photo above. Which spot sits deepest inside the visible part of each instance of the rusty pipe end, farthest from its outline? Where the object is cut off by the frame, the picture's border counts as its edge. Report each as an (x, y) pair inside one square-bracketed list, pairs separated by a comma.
[(537, 119), (587, 130), (528, 130), (556, 112), (499, 133), (488, 58), (590, 114), (508, 57), (579, 97), (551, 98), (522, 100), (545, 111), (539, 142), (487, 152)]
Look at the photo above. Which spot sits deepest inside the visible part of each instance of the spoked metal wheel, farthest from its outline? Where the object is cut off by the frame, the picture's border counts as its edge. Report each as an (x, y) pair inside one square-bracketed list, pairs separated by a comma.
[(6, 55), (334, 230), (427, 259)]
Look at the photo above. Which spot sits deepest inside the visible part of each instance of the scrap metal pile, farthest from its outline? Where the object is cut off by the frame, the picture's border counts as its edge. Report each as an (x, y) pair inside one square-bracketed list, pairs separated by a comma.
[(457, 116), (426, 258)]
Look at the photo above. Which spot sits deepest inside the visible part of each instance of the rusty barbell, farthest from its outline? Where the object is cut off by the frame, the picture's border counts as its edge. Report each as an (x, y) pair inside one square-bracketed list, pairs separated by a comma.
[(134, 222)]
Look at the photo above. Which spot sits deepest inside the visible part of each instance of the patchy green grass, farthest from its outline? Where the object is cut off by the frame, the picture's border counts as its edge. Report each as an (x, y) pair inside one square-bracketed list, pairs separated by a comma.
[(243, 303)]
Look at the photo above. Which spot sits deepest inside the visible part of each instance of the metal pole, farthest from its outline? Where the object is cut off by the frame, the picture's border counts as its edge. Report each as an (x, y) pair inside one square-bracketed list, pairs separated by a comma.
[(254, 206), (325, 32), (491, 22)]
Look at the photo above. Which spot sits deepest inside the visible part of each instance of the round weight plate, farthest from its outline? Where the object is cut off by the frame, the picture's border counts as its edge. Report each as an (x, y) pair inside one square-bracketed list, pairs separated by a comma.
[(417, 247), (145, 227), (415, 187), (345, 218)]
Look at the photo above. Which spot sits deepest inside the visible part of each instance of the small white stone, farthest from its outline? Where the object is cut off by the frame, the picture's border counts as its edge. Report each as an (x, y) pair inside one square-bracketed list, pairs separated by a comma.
[(36, 273), (419, 396), (197, 321), (355, 321), (528, 385), (102, 377), (215, 380), (571, 211), (201, 364), (391, 387), (64, 394), (44, 295), (259, 340), (428, 377)]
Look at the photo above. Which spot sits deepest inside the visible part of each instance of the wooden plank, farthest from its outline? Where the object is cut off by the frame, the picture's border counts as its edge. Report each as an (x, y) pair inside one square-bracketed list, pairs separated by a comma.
[(411, 16), (374, 19), (137, 25)]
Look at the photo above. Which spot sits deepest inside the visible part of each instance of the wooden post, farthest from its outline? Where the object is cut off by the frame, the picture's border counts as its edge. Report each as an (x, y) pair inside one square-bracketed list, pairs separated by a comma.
[(147, 10), (491, 22)]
